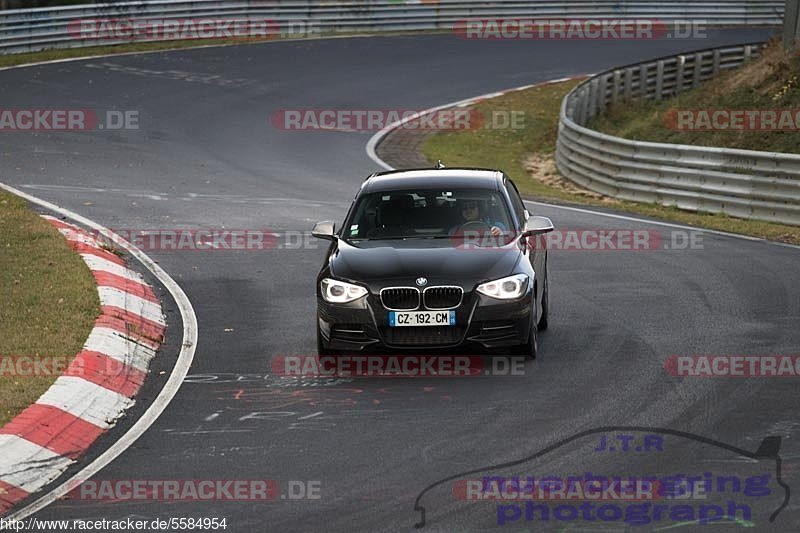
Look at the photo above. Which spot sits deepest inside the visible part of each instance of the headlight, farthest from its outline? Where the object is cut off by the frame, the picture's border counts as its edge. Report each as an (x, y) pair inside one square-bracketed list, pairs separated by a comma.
[(339, 292), (509, 288)]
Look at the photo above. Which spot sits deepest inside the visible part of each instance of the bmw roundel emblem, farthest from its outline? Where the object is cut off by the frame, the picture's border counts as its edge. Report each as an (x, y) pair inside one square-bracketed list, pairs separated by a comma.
[(422, 281)]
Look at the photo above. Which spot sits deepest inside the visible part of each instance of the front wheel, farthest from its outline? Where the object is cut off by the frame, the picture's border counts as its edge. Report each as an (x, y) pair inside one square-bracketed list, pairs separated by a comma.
[(545, 303), (531, 349), (533, 343)]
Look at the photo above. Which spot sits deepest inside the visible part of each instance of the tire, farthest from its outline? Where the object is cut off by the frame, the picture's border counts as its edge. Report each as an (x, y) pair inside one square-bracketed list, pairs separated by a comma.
[(545, 303), (533, 343), (531, 349)]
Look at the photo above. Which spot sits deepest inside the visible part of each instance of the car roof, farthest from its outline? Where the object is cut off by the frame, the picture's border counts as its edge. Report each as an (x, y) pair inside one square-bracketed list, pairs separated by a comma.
[(428, 178)]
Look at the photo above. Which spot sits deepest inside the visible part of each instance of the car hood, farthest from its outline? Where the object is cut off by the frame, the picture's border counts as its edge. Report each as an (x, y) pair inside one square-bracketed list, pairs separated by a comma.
[(387, 263)]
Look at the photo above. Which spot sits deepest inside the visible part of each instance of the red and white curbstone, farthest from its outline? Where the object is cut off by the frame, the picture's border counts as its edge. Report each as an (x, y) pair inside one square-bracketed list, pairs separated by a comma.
[(98, 386)]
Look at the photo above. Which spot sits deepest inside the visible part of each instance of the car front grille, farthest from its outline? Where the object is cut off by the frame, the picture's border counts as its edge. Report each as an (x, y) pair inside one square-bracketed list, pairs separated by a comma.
[(424, 336), (400, 298), (443, 297)]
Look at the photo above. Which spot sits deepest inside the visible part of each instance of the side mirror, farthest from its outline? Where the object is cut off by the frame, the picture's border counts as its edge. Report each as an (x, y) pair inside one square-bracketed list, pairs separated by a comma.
[(324, 230), (538, 226)]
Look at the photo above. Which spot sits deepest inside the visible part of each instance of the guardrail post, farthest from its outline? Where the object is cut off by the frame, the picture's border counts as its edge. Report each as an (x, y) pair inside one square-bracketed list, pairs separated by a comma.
[(643, 81), (603, 91), (698, 69), (679, 75), (592, 98), (717, 60), (570, 110), (584, 106), (659, 80), (791, 24), (628, 83), (615, 87)]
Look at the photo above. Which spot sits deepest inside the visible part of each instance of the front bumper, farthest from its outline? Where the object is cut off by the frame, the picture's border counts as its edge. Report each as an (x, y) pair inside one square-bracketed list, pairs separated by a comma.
[(481, 322)]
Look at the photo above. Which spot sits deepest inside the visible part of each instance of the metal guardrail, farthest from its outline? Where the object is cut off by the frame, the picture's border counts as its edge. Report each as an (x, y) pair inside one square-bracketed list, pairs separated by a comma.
[(740, 183), (25, 30)]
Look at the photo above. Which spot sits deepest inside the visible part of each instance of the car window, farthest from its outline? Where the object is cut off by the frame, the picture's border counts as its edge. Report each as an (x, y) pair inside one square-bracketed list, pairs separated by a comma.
[(516, 201), (426, 214)]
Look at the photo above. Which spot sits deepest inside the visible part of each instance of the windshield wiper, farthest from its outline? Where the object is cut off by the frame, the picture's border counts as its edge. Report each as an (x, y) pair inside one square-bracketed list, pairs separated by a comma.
[(404, 238), (380, 239)]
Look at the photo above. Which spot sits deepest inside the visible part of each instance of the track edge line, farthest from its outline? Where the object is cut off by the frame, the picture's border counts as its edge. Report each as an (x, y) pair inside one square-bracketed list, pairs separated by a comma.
[(168, 392)]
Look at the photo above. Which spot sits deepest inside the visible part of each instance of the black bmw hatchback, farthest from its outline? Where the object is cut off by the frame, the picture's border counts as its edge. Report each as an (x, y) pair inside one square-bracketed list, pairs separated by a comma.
[(435, 258)]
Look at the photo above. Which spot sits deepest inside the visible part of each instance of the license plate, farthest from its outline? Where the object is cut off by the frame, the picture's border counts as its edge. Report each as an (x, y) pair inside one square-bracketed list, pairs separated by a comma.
[(399, 319)]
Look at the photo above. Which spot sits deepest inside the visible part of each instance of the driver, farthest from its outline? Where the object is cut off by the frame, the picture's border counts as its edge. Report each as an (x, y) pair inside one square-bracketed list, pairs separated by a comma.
[(471, 212)]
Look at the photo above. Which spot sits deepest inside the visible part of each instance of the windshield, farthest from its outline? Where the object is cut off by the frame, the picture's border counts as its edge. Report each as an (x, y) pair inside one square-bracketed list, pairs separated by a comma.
[(427, 213)]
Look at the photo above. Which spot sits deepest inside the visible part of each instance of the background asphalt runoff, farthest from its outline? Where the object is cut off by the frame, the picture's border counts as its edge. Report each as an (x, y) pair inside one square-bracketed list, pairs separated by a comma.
[(206, 156)]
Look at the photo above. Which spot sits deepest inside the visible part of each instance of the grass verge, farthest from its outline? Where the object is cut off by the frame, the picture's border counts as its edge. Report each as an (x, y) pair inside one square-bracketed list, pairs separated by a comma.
[(527, 153), (49, 301), (771, 82), (10, 60)]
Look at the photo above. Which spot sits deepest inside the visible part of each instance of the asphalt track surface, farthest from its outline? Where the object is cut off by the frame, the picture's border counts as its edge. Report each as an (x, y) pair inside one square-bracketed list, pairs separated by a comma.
[(206, 156)]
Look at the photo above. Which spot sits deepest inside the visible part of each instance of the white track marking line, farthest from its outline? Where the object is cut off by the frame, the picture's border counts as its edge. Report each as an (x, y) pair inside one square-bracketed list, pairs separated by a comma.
[(373, 142), (81, 398), (164, 397), (665, 224)]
